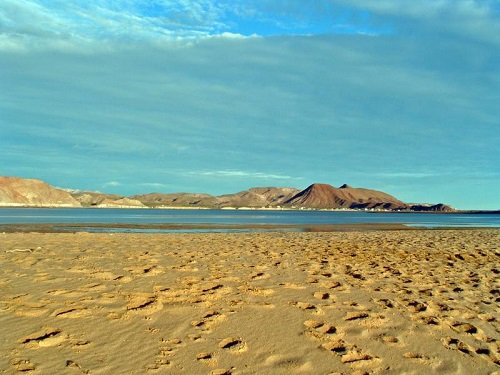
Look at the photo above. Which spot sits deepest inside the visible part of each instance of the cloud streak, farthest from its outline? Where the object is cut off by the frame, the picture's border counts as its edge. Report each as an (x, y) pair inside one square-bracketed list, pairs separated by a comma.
[(243, 174), (477, 20), (112, 184)]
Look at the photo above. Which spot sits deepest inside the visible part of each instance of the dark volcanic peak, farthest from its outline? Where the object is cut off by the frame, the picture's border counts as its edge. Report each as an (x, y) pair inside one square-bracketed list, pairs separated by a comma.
[(345, 186), (314, 196), (326, 196)]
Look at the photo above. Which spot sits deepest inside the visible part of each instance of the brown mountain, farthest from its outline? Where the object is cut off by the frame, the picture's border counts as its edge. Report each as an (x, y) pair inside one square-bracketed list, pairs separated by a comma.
[(121, 203), (327, 196), (93, 199), (254, 197), (257, 197), (176, 200), (15, 191)]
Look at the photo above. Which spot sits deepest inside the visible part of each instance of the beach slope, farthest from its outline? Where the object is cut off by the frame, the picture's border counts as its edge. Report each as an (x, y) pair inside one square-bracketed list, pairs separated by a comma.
[(381, 302)]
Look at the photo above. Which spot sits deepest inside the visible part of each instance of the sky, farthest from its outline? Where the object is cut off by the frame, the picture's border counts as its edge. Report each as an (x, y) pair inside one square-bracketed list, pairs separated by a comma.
[(136, 96)]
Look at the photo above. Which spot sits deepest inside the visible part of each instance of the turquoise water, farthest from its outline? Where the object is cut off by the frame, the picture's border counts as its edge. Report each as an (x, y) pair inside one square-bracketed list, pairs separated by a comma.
[(233, 217)]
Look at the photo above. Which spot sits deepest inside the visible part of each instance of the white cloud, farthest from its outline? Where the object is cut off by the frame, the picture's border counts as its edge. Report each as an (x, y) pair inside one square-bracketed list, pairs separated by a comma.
[(154, 184), (112, 183), (228, 35), (474, 19), (243, 174), (406, 174)]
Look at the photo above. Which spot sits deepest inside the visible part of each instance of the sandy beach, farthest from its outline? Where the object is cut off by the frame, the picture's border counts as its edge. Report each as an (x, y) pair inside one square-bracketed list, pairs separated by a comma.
[(376, 302)]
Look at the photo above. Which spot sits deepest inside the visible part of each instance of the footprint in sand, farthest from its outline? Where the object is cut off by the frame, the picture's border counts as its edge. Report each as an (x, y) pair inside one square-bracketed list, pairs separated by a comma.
[(208, 320), (220, 371), (414, 355), (463, 327), (71, 312), (75, 366), (235, 345), (23, 365), (348, 353), (204, 356), (456, 344), (143, 304), (167, 349), (429, 320), (319, 330), (388, 339), (260, 276), (328, 334), (384, 303), (417, 306), (321, 295), (304, 305), (46, 337), (356, 315)]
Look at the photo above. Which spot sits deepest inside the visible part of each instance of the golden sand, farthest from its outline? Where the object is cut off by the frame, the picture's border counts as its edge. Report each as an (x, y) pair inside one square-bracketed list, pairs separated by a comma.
[(387, 302)]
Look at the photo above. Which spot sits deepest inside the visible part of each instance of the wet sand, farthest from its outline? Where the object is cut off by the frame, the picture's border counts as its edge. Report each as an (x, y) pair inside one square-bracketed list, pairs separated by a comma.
[(173, 228), (373, 302)]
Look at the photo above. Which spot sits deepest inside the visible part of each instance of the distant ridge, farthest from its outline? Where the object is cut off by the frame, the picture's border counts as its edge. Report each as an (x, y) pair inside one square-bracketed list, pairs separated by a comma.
[(253, 198), (15, 191)]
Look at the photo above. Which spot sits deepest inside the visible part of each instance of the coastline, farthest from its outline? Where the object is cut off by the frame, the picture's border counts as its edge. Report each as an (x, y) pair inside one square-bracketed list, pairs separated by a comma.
[(84, 227), (108, 207)]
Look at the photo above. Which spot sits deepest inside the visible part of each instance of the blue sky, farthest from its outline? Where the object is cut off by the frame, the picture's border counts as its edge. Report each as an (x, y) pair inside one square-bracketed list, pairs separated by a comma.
[(213, 96)]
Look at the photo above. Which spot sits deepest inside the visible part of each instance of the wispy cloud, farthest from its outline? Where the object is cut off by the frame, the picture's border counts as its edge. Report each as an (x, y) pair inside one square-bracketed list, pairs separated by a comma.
[(476, 20), (112, 184), (406, 174), (243, 174), (156, 185)]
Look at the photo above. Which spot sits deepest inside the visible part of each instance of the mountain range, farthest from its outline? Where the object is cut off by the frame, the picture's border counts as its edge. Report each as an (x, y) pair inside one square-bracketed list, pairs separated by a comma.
[(20, 192)]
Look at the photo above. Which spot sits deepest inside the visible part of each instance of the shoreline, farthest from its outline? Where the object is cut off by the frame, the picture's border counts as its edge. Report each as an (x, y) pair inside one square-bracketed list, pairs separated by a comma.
[(462, 212), (222, 228)]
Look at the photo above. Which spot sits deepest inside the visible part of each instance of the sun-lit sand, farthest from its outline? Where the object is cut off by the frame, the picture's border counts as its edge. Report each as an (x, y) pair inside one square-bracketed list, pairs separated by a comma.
[(381, 302)]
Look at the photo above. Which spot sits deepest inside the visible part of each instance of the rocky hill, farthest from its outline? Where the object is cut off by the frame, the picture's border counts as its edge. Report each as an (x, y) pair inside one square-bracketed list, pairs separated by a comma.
[(254, 197), (93, 199), (257, 197), (176, 200), (440, 207), (324, 196), (121, 203), (15, 191)]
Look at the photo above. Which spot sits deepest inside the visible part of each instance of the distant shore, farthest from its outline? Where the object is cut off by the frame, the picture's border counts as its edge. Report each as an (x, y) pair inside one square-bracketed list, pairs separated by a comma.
[(472, 212)]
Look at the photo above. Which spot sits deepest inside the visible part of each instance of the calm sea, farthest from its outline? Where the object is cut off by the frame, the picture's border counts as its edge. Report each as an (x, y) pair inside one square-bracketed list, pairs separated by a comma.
[(241, 217)]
